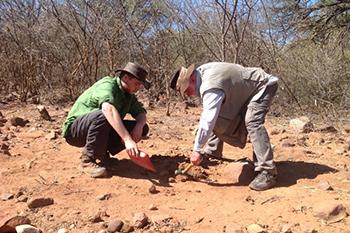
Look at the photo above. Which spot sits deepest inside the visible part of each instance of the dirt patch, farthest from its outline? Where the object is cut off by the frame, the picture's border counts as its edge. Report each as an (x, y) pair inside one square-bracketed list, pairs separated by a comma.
[(210, 201)]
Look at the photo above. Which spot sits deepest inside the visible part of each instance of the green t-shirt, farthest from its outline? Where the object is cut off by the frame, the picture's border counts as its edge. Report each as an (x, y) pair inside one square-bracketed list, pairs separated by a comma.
[(107, 89)]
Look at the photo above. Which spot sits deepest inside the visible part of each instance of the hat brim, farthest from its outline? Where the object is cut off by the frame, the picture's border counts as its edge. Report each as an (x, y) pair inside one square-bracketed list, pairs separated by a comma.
[(145, 83), (185, 82), (180, 81)]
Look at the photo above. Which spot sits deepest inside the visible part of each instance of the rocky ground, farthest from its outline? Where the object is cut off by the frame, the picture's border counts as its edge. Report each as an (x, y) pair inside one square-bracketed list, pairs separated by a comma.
[(41, 182)]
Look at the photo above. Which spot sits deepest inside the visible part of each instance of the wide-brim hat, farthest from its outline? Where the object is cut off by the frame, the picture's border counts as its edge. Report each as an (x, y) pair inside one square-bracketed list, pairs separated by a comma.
[(137, 72), (181, 79)]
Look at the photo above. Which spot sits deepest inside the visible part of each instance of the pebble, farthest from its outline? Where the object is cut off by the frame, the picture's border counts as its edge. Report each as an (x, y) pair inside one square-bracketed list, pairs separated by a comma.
[(63, 230), (153, 189), (115, 225), (39, 202)]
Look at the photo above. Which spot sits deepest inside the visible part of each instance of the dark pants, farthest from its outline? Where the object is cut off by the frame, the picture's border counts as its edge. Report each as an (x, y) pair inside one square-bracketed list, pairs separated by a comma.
[(94, 132)]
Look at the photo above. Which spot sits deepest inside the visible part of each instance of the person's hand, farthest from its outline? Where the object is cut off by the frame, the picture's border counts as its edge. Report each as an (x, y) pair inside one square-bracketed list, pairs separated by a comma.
[(131, 148), (196, 158), (136, 133)]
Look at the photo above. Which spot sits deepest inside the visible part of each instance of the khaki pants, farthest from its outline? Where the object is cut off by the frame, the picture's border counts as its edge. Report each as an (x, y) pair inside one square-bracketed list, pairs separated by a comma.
[(254, 121)]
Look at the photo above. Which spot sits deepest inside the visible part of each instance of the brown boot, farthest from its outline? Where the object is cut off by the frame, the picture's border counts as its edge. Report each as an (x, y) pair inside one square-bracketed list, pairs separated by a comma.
[(91, 168)]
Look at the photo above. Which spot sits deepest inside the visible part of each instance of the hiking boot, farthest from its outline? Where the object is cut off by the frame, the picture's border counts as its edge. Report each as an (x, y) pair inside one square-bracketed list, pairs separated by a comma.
[(90, 167), (263, 181)]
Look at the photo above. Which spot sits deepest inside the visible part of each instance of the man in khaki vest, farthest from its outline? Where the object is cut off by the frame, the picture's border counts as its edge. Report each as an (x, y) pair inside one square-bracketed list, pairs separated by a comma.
[(235, 100)]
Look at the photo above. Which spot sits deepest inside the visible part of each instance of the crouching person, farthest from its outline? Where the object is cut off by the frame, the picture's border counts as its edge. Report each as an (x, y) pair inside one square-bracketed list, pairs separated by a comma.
[(96, 120)]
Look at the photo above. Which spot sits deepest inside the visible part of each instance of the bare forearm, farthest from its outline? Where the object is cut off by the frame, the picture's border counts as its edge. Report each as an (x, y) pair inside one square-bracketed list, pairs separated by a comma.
[(141, 119), (113, 117)]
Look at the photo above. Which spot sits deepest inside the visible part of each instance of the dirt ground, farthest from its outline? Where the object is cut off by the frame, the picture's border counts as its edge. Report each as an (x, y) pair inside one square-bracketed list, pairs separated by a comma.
[(313, 173)]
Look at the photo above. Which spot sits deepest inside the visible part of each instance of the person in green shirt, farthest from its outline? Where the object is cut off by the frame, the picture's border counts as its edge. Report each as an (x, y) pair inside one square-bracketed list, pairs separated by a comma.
[(96, 120)]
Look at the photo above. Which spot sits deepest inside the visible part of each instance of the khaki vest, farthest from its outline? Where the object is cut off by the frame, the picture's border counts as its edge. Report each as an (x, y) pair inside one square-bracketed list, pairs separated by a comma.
[(239, 84)]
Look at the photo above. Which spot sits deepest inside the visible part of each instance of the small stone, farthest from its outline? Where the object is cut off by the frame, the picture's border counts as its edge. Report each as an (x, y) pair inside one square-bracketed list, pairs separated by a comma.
[(302, 124), (255, 228), (346, 127), (330, 212), (114, 225), (44, 113), (153, 189), (22, 198), (127, 228), (239, 172), (17, 121), (152, 207), (324, 185), (160, 219), (27, 229), (233, 228), (9, 223), (328, 129), (39, 202), (274, 131), (7, 196), (97, 217), (288, 143), (51, 136), (140, 220), (63, 230), (104, 196), (172, 180), (286, 229)]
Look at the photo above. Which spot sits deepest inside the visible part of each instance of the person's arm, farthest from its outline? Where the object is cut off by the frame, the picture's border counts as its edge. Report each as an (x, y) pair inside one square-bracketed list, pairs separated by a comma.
[(141, 120), (113, 117), (212, 100)]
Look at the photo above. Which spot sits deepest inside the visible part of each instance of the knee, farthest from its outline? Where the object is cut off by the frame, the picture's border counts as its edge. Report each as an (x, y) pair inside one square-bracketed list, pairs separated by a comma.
[(100, 119), (253, 125)]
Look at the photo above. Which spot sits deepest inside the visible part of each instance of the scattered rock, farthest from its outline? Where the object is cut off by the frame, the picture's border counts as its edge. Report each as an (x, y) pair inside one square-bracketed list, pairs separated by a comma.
[(127, 228), (140, 220), (233, 228), (301, 124), (347, 144), (288, 143), (330, 212), (115, 225), (18, 121), (27, 229), (324, 185), (255, 228), (44, 113), (39, 202), (63, 230), (160, 219), (327, 129), (172, 180), (22, 198), (7, 196), (105, 196), (153, 189), (346, 127), (274, 131), (286, 229), (152, 207), (98, 217), (8, 223), (51, 136), (239, 172), (4, 149)]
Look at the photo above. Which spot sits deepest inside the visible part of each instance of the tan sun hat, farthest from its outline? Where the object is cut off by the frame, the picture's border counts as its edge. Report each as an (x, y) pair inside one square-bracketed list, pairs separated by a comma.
[(181, 79), (138, 72)]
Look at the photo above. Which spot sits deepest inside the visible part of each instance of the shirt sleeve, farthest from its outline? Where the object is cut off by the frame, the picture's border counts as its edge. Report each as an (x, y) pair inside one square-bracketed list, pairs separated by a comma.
[(102, 94), (212, 100)]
